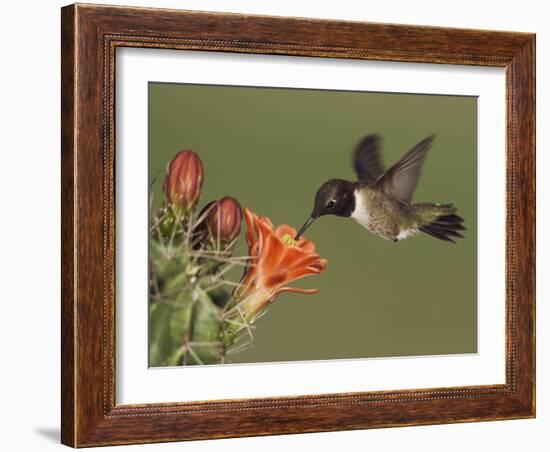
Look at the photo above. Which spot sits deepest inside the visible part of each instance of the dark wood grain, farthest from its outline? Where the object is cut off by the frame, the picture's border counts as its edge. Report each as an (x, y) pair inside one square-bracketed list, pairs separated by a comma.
[(90, 36), (68, 310)]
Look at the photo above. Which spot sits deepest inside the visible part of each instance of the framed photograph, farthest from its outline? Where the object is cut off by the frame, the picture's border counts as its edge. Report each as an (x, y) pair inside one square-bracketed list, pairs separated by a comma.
[(281, 225)]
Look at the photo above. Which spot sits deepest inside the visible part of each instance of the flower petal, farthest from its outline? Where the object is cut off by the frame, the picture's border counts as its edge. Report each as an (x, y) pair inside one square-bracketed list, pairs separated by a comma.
[(304, 261), (264, 230), (307, 245), (293, 255), (296, 290), (320, 264), (250, 228), (301, 272), (267, 221), (272, 254), (275, 280)]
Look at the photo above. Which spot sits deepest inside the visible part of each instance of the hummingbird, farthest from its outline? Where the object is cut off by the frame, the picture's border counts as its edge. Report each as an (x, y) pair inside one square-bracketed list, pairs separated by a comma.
[(381, 200)]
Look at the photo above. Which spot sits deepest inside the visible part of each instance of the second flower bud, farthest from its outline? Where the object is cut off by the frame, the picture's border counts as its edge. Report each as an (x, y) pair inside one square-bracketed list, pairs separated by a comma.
[(223, 220)]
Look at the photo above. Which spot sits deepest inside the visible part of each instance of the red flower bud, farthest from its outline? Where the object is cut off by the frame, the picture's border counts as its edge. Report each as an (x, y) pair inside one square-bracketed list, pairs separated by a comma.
[(224, 220), (183, 182)]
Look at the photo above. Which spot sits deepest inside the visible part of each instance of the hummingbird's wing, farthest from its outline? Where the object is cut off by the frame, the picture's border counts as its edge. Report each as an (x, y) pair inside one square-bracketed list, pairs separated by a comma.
[(366, 159), (400, 180)]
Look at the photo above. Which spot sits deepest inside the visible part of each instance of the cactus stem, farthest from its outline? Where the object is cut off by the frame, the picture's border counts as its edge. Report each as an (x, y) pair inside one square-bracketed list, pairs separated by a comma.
[(175, 356), (168, 294), (194, 355), (190, 331), (208, 306), (204, 344), (169, 302), (154, 283)]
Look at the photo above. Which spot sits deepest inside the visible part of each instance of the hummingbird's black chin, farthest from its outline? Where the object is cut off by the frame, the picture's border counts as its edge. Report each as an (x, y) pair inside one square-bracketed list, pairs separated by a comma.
[(306, 225)]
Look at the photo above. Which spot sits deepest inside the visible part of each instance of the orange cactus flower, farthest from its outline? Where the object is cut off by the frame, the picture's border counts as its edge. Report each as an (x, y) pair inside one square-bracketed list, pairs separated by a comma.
[(276, 259)]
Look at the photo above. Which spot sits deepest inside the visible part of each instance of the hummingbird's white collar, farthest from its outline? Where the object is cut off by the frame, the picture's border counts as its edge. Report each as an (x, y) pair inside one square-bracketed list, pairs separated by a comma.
[(361, 212)]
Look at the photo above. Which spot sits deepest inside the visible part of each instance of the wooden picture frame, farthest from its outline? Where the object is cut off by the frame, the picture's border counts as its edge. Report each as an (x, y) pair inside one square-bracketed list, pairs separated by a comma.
[(90, 36)]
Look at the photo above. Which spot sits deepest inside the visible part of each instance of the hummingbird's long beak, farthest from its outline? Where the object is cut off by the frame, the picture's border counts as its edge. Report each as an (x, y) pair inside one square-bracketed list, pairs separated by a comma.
[(306, 225)]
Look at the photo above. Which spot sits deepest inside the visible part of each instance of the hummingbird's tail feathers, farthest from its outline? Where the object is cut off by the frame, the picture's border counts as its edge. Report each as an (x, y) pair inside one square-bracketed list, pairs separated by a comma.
[(444, 224)]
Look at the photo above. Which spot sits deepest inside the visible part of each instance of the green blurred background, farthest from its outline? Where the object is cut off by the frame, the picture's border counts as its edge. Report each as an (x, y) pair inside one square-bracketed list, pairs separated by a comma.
[(271, 148)]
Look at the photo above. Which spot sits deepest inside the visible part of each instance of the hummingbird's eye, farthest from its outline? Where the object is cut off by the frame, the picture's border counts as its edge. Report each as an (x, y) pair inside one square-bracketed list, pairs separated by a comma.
[(330, 204)]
